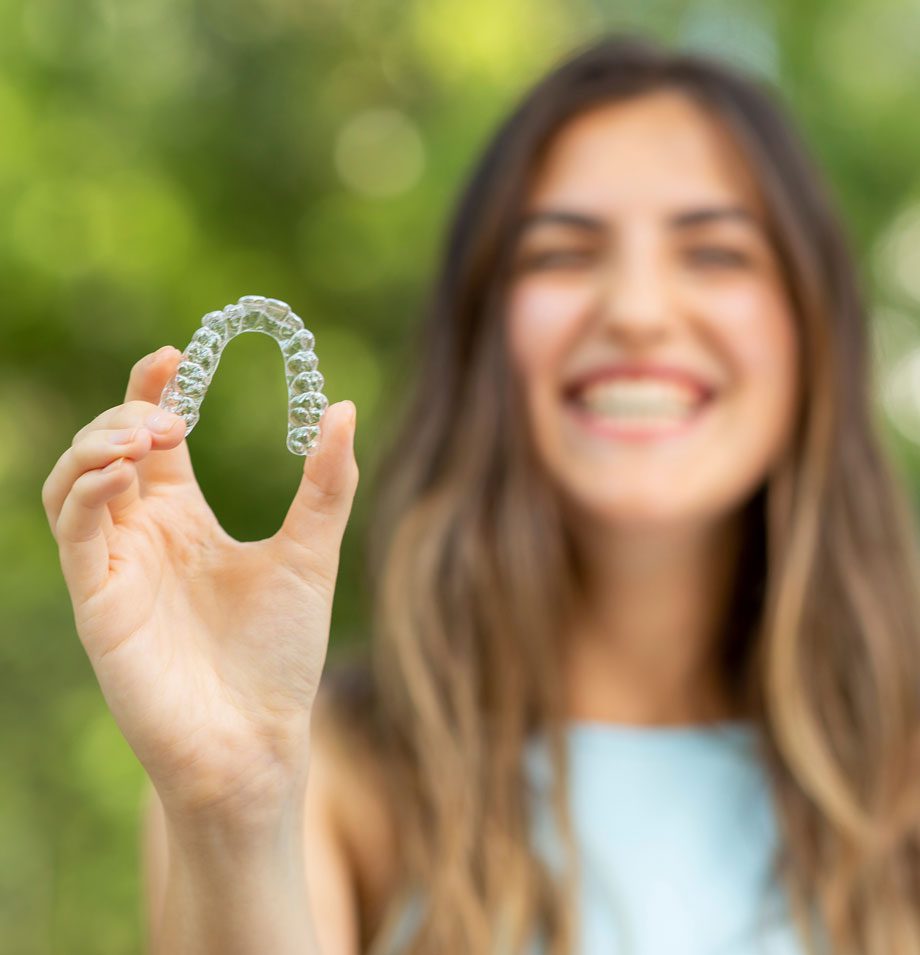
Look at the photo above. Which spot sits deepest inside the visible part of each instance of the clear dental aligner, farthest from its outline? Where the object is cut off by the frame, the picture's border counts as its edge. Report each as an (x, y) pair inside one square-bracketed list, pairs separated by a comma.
[(185, 391)]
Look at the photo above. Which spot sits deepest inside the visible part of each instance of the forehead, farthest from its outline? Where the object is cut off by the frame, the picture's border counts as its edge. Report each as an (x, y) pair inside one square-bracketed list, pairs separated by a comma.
[(651, 153)]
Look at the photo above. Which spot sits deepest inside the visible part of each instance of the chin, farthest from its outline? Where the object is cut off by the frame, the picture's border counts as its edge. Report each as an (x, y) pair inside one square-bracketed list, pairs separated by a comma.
[(631, 511), (642, 506)]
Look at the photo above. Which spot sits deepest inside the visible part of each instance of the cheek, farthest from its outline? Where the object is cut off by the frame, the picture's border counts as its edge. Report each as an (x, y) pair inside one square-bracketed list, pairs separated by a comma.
[(756, 330), (543, 319)]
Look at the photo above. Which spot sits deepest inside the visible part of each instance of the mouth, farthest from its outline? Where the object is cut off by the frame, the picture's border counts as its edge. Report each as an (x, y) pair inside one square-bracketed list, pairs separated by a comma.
[(638, 410)]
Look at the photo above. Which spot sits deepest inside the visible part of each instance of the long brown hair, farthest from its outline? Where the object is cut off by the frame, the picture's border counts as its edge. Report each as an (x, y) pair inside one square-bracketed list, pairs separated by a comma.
[(474, 571)]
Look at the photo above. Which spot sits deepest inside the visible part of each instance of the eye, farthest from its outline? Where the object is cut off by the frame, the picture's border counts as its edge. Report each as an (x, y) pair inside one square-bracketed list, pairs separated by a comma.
[(717, 255), (555, 257)]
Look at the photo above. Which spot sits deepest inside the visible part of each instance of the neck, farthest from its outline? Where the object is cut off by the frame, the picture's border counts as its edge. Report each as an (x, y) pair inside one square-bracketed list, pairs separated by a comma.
[(645, 646)]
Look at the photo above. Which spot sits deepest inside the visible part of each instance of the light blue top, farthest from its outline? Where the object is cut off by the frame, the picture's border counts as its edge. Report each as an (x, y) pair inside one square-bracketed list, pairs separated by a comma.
[(676, 834)]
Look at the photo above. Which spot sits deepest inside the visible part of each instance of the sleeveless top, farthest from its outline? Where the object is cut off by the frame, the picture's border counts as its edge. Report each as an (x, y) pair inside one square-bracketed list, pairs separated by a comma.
[(676, 837)]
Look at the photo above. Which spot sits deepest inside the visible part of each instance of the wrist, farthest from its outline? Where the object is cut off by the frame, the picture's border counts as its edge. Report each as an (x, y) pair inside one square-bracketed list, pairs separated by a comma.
[(272, 837), (239, 821), (235, 889), (234, 803)]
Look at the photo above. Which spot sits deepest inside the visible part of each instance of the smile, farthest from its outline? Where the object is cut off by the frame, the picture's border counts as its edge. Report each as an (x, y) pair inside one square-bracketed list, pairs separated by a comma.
[(637, 423)]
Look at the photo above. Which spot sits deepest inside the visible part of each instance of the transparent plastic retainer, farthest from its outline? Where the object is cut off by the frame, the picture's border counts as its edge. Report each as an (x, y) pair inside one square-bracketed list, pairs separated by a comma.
[(185, 391)]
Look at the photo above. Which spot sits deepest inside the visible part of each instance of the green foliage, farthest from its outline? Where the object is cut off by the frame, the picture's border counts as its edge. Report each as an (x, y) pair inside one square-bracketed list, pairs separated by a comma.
[(158, 160)]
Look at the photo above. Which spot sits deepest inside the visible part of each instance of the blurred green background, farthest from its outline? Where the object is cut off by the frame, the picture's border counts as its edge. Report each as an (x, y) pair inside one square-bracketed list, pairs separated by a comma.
[(158, 160)]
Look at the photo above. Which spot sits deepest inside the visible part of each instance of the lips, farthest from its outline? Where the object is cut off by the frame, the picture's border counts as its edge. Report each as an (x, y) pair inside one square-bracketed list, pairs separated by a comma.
[(701, 389), (636, 431)]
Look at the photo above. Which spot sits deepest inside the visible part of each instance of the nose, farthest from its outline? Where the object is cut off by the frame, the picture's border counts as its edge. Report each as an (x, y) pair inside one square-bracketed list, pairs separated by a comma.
[(635, 300)]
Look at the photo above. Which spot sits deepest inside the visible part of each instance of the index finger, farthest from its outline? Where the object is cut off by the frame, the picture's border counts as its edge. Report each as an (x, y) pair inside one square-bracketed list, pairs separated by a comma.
[(168, 463), (169, 460)]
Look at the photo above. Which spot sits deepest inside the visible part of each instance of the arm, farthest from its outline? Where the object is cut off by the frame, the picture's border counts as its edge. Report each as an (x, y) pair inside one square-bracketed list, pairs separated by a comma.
[(212, 890), (218, 897)]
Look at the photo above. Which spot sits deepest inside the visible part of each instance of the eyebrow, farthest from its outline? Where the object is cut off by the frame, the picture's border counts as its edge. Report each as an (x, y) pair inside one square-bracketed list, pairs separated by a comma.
[(680, 220)]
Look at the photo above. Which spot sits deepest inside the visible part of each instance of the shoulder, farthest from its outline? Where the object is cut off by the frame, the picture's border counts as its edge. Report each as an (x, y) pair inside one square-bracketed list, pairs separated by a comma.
[(348, 784)]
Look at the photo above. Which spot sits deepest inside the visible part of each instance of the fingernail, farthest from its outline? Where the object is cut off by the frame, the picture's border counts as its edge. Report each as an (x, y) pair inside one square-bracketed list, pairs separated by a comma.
[(114, 466), (161, 423), (158, 354), (350, 412), (123, 437)]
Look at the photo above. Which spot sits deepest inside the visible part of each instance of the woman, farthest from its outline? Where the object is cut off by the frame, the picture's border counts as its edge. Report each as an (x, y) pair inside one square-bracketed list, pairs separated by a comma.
[(645, 583)]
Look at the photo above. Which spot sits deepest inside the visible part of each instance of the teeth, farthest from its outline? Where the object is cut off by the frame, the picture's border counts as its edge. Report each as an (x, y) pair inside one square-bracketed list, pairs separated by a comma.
[(639, 399)]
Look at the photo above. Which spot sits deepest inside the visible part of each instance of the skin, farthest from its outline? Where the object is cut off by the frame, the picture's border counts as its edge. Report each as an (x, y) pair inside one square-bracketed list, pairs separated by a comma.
[(658, 521)]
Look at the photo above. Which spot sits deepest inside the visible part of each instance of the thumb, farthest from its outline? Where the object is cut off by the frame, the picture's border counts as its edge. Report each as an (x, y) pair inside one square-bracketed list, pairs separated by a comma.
[(315, 522)]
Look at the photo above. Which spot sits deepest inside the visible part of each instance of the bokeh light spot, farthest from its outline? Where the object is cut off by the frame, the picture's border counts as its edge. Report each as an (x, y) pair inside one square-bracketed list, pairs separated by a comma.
[(380, 153), (897, 257)]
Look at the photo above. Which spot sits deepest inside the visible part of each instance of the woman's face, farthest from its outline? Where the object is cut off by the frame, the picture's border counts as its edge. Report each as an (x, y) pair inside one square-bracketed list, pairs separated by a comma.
[(648, 319)]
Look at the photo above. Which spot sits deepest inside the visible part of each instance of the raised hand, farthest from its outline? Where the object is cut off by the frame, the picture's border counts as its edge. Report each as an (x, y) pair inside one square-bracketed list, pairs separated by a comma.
[(208, 650)]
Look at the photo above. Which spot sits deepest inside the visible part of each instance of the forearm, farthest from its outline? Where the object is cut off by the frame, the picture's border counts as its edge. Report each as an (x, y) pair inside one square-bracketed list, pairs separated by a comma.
[(229, 894)]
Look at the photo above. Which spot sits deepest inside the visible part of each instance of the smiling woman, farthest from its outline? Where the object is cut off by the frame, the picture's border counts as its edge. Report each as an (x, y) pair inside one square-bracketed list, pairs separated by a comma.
[(637, 499)]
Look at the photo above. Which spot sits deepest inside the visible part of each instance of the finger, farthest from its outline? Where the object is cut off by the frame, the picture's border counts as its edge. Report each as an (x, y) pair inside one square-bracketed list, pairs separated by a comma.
[(96, 450), (315, 522), (134, 414), (172, 463), (167, 431), (80, 531)]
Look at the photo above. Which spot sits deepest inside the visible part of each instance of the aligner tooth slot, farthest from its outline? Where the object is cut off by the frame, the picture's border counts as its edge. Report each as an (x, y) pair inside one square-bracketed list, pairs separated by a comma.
[(179, 404), (301, 340), (200, 355), (234, 316), (218, 323), (308, 408), (301, 361), (302, 383), (313, 379), (209, 339), (277, 308), (185, 391), (191, 371)]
